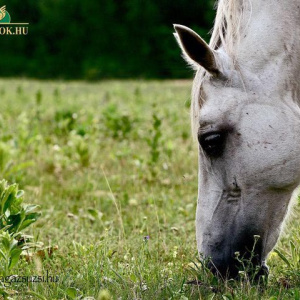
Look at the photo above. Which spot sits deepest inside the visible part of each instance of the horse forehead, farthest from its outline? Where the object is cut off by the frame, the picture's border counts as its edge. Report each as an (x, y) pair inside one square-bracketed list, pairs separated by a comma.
[(231, 106), (223, 104)]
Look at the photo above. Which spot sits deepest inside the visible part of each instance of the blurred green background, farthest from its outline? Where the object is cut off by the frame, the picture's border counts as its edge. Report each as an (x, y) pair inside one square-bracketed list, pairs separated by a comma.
[(101, 39)]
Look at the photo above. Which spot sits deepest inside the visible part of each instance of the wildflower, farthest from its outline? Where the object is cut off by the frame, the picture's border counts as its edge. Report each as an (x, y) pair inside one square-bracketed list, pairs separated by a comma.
[(133, 202), (56, 148), (104, 295), (144, 287), (272, 255)]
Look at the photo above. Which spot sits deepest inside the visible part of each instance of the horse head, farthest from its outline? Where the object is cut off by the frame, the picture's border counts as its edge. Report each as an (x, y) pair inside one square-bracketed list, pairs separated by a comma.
[(249, 156)]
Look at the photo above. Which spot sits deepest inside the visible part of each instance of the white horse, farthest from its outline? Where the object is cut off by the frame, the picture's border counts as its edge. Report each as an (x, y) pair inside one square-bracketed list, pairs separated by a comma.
[(245, 112)]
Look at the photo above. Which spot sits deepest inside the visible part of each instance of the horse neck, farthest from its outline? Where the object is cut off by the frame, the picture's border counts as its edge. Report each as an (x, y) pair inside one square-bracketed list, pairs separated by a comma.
[(269, 47)]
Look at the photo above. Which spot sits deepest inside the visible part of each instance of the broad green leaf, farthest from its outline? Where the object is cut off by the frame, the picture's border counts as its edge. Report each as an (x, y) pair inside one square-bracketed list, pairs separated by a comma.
[(14, 257), (26, 223), (4, 197), (71, 292), (30, 208)]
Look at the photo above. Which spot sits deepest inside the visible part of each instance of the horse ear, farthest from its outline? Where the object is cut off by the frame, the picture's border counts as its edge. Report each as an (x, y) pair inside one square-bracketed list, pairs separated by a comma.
[(195, 50)]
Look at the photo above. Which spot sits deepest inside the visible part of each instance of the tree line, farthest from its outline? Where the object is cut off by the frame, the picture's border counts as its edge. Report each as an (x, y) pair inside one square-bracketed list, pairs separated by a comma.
[(101, 39)]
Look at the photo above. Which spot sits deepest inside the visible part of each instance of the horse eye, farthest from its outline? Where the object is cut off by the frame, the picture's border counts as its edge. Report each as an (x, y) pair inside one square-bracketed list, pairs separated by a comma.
[(213, 144)]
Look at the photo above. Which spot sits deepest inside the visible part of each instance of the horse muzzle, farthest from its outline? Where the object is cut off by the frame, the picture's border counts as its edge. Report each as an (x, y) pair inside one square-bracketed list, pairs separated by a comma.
[(236, 256)]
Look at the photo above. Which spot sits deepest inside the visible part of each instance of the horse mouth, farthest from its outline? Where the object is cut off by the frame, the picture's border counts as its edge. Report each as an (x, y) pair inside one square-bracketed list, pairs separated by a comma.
[(234, 269), (244, 258)]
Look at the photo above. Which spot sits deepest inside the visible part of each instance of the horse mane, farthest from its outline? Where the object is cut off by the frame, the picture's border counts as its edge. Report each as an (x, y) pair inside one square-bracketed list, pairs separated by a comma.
[(227, 28), (226, 33)]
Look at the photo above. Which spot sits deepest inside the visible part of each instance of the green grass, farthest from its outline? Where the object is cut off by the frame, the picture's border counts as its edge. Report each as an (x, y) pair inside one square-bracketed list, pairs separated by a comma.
[(114, 169)]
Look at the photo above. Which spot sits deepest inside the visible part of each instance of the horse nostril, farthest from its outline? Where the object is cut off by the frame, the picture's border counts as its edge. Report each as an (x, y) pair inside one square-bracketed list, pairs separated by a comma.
[(234, 195)]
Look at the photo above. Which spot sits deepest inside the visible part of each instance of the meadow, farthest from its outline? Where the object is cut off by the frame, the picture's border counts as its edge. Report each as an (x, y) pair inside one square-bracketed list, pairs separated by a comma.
[(113, 168)]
